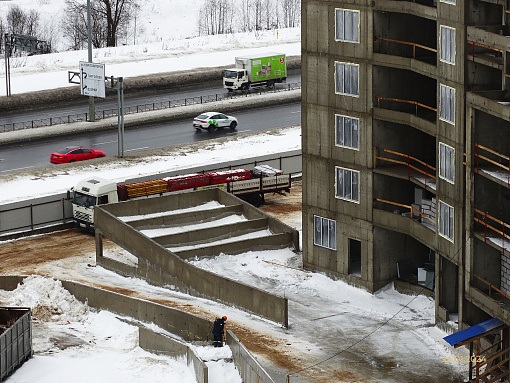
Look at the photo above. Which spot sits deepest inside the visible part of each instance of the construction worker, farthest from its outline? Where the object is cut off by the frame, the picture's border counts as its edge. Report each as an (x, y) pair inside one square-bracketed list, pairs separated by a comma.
[(218, 331)]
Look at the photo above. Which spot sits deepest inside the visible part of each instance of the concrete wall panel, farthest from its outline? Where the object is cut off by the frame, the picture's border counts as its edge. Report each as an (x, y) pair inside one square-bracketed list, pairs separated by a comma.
[(162, 344), (249, 369), (188, 326)]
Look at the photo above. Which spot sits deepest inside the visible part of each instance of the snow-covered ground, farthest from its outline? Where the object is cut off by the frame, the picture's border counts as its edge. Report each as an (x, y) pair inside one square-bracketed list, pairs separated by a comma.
[(337, 332)]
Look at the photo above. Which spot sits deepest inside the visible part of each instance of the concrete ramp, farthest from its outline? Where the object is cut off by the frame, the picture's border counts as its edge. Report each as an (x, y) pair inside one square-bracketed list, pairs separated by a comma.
[(163, 232)]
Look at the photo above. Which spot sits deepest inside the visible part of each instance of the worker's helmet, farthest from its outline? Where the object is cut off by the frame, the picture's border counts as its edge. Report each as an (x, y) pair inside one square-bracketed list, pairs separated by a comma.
[(224, 317)]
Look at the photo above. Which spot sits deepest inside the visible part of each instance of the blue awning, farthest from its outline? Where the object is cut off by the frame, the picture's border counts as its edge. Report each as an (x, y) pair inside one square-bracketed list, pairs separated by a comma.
[(472, 332)]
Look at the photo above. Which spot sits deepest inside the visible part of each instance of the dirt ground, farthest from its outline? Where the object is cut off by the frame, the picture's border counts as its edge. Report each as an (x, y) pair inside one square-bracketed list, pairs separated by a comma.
[(32, 255)]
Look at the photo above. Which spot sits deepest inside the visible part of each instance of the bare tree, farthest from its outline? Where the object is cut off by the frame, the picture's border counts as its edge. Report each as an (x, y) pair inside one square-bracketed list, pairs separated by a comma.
[(246, 16), (291, 13), (215, 17), (2, 36), (117, 14), (108, 18), (22, 23)]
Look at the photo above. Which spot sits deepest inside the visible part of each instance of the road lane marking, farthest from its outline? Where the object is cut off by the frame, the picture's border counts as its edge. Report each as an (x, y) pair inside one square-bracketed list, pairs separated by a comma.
[(12, 170), (132, 150), (104, 143)]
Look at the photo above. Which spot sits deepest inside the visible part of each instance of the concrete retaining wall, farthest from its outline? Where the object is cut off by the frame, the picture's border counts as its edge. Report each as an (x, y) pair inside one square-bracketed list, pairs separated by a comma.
[(249, 369), (155, 262), (10, 282), (161, 344), (187, 326)]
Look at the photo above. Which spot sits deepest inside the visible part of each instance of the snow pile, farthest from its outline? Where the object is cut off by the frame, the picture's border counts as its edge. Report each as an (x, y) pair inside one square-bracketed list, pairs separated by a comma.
[(48, 300)]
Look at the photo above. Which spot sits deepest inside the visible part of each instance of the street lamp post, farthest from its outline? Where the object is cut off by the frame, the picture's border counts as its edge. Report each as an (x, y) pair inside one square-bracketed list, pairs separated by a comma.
[(92, 110)]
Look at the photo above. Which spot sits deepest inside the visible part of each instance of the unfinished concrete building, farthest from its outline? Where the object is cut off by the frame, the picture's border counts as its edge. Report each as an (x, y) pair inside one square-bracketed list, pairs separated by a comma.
[(406, 143)]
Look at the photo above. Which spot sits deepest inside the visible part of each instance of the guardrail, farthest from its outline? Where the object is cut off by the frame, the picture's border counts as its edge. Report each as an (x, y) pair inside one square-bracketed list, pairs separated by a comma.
[(165, 104)]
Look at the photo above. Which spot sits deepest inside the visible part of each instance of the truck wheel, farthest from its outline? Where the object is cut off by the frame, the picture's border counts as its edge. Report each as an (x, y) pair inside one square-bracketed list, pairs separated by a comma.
[(233, 125), (270, 84), (210, 128), (245, 86)]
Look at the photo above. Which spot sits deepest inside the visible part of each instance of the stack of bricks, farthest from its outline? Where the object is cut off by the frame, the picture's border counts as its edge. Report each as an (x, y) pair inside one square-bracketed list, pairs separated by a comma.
[(428, 208), (505, 274)]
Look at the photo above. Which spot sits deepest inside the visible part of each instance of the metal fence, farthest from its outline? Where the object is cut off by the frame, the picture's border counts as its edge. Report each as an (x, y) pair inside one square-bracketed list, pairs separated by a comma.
[(165, 104), (27, 217)]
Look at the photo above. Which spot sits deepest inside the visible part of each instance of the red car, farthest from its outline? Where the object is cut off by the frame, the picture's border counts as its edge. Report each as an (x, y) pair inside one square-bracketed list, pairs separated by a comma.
[(75, 153)]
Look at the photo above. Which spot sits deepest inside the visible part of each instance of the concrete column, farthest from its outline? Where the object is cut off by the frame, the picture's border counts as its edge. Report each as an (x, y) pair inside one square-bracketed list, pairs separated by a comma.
[(99, 244)]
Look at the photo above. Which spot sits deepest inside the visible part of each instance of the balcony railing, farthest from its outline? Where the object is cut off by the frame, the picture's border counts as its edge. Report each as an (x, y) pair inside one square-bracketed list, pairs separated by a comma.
[(496, 52), (415, 49), (499, 160), (413, 212), (420, 109), (494, 225), (491, 290), (412, 165)]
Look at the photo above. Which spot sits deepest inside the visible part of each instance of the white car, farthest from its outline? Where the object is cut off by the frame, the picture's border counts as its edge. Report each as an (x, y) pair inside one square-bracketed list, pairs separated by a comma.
[(214, 120)]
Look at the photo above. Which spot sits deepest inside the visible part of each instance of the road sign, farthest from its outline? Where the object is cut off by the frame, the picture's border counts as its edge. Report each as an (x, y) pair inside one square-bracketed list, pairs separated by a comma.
[(92, 79)]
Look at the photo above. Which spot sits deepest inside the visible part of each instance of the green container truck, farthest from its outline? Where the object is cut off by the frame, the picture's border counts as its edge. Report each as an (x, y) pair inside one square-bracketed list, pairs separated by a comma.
[(256, 70)]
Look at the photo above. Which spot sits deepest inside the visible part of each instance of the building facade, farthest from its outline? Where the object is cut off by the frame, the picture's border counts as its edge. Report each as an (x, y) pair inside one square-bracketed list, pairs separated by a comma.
[(406, 144)]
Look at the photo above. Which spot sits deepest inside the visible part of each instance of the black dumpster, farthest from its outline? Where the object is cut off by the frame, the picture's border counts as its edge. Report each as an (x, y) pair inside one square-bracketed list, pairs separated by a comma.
[(15, 338)]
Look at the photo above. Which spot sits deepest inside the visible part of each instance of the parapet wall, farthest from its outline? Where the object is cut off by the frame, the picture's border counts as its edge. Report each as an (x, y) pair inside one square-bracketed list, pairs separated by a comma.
[(185, 325), (161, 344), (249, 369)]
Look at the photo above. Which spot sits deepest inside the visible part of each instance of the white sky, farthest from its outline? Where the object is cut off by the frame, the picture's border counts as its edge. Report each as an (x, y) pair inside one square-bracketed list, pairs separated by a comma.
[(108, 344)]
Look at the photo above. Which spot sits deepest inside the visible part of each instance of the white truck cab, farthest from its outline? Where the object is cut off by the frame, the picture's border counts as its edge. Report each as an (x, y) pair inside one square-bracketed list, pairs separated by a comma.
[(235, 78), (89, 193)]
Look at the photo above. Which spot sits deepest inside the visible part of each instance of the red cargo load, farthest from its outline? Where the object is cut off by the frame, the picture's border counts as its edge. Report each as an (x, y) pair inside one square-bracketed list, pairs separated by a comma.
[(187, 181), (225, 176)]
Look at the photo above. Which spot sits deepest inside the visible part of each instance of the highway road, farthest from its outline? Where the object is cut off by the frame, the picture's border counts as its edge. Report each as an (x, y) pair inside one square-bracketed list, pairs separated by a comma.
[(33, 155), (109, 104)]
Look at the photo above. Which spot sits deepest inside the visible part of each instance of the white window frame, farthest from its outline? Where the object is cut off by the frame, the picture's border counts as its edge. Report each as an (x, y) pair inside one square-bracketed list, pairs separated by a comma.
[(324, 232), (452, 2), (347, 25), (347, 131), (347, 78), (447, 104), (447, 44), (447, 162), (446, 221), (347, 184)]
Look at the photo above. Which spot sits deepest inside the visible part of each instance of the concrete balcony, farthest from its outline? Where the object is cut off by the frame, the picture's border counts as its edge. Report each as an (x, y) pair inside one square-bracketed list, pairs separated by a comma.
[(426, 125), (489, 299), (422, 8), (495, 102), (403, 223)]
